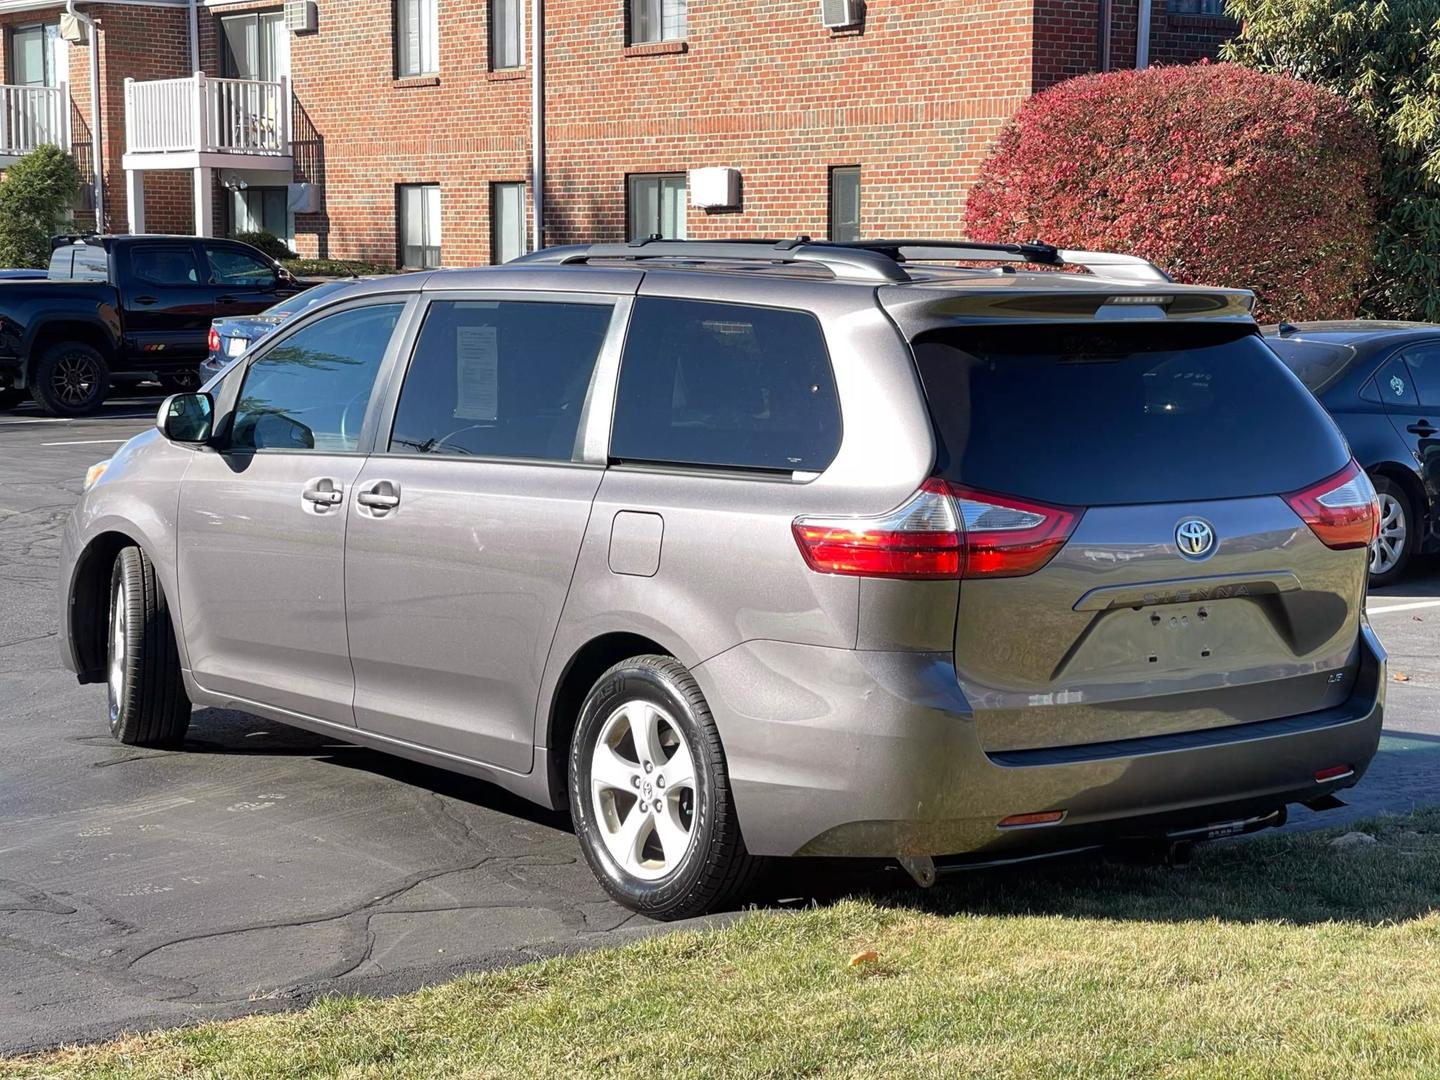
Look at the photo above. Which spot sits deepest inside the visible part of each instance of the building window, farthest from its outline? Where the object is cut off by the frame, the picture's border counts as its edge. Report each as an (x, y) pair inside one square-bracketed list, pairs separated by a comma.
[(417, 38), (255, 208), (507, 34), (1196, 7), (32, 55), (657, 20), (656, 205), (419, 226), (507, 222), (255, 47), (845, 203)]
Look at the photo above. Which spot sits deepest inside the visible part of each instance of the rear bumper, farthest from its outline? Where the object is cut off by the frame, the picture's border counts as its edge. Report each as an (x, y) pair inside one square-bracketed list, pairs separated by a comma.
[(867, 754)]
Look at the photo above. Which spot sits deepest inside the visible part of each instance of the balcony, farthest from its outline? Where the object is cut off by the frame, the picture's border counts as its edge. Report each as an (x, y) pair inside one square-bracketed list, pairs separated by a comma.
[(204, 122), (31, 117)]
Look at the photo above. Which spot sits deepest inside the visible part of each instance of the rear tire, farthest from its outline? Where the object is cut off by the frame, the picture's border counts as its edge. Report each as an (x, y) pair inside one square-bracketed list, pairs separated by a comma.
[(1390, 554), (650, 794), (71, 379), (148, 705)]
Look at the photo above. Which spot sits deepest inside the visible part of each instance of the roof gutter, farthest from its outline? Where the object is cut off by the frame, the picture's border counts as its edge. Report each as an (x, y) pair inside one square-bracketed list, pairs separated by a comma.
[(537, 119), (98, 177), (1142, 35), (194, 37)]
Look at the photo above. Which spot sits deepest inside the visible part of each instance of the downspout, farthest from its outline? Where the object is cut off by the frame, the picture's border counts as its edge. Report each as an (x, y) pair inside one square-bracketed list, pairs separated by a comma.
[(1142, 35), (537, 119), (95, 155), (1103, 42)]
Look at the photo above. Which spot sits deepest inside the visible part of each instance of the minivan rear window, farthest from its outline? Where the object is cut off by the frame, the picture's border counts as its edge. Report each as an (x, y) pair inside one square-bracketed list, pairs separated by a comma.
[(1115, 415)]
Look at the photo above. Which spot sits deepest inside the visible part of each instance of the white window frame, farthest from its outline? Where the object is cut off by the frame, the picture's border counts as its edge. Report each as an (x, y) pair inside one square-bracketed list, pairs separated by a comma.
[(417, 38), (427, 197), (653, 21)]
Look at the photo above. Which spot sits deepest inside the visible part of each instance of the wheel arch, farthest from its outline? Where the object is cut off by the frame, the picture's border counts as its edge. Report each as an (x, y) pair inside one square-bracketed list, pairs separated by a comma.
[(52, 331), (1414, 491), (581, 671), (90, 598)]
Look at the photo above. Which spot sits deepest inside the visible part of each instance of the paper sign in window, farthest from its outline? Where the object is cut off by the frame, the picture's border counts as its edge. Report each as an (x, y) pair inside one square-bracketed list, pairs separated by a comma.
[(477, 373)]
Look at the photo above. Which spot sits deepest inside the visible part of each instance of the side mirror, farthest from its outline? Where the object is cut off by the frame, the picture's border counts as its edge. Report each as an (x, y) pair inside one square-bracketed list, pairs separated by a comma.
[(186, 418)]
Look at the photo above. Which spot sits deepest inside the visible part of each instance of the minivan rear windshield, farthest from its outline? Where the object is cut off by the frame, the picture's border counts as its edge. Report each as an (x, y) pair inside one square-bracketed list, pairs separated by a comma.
[(1113, 415)]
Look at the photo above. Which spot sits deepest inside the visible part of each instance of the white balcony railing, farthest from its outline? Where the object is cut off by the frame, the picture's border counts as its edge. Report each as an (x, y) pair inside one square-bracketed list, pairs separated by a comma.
[(206, 115), (32, 116)]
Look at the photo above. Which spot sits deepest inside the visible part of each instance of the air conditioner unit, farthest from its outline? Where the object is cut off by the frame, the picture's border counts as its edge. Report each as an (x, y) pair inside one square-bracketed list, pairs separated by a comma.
[(839, 14), (301, 16), (714, 188)]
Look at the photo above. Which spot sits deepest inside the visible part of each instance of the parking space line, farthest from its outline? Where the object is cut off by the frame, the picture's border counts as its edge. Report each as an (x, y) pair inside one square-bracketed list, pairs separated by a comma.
[(1414, 606), (85, 442)]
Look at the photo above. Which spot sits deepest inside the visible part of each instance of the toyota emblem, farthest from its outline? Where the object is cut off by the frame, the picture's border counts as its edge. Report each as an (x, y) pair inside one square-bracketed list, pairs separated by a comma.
[(1194, 538)]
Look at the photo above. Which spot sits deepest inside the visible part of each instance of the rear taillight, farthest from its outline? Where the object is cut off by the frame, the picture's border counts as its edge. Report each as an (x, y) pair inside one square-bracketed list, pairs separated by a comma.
[(212, 341), (919, 541), (944, 531), (1342, 510), (1009, 537)]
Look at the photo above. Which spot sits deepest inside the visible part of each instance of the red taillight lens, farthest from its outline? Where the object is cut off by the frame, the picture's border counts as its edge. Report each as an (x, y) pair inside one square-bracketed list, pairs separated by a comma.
[(212, 341), (1341, 510), (945, 531), (918, 541), (1009, 537)]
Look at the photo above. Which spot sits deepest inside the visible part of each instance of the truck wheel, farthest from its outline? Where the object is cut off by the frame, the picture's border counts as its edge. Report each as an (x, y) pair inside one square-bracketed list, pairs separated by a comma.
[(71, 379), (650, 793), (148, 706)]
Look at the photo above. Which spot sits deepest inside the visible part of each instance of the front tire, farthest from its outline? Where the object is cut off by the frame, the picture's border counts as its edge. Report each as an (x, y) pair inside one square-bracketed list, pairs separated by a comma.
[(650, 793), (71, 379), (1390, 554), (148, 705)]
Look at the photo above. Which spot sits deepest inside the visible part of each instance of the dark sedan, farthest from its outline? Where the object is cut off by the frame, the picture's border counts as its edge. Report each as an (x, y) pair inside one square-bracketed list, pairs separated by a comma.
[(230, 337), (1381, 383)]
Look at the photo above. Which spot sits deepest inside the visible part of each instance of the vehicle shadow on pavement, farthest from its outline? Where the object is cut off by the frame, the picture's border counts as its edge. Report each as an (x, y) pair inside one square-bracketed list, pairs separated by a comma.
[(1292, 877)]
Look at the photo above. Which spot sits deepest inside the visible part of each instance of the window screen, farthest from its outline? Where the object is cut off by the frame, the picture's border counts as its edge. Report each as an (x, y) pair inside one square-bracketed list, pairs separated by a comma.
[(657, 20), (507, 222), (657, 206), (419, 226), (507, 34), (845, 203), (725, 385), (417, 38), (504, 378)]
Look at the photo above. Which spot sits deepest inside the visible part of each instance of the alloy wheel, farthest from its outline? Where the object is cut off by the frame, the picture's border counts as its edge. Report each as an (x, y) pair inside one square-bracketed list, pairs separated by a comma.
[(75, 379), (1389, 546), (642, 785)]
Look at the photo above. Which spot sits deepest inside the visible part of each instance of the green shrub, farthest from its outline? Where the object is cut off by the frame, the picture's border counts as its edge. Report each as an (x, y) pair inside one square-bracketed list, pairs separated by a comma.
[(334, 268), (1384, 57), (36, 201), (267, 242)]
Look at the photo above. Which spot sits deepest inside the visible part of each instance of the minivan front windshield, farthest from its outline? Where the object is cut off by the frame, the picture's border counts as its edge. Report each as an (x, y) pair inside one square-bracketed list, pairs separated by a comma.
[(1090, 415)]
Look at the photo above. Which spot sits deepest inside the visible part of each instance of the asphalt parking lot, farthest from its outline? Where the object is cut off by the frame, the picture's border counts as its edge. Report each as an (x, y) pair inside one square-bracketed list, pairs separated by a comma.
[(261, 866)]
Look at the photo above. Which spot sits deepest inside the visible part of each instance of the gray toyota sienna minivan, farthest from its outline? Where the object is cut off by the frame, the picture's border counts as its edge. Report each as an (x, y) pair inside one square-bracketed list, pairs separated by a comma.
[(746, 549)]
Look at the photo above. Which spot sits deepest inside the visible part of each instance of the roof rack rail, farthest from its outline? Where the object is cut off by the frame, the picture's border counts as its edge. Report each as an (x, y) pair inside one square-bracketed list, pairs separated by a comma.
[(861, 260), (1109, 265)]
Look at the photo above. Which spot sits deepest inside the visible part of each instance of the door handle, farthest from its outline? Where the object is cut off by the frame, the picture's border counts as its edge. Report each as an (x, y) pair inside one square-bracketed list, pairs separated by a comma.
[(227, 299), (1424, 427), (323, 493), (146, 301), (380, 498)]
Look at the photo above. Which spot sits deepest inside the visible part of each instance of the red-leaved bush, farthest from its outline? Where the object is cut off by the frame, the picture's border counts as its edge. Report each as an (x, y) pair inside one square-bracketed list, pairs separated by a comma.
[(1221, 175)]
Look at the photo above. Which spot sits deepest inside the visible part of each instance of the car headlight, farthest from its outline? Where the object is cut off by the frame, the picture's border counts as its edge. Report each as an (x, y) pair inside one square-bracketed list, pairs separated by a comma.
[(93, 474)]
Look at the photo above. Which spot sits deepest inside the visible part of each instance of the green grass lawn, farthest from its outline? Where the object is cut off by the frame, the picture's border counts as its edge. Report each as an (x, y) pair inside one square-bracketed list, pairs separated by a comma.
[(1282, 957)]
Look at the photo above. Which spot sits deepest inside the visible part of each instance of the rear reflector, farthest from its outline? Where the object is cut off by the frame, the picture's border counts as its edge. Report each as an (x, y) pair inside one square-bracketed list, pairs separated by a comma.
[(1335, 772), (1023, 821), (944, 531), (1343, 510)]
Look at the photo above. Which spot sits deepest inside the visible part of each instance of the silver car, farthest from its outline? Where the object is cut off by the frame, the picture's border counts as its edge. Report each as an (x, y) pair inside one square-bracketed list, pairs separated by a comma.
[(746, 550)]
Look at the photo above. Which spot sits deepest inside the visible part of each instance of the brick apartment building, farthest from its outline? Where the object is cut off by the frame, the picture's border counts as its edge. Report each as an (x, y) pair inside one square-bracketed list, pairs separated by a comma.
[(399, 131)]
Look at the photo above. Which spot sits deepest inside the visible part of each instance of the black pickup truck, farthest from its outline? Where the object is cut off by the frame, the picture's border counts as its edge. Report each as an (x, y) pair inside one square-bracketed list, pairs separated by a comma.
[(125, 308)]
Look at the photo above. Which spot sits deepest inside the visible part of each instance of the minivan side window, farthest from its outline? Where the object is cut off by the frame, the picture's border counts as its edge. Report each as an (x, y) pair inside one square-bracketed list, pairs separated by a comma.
[(499, 378), (310, 390), (726, 385), (1424, 363)]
